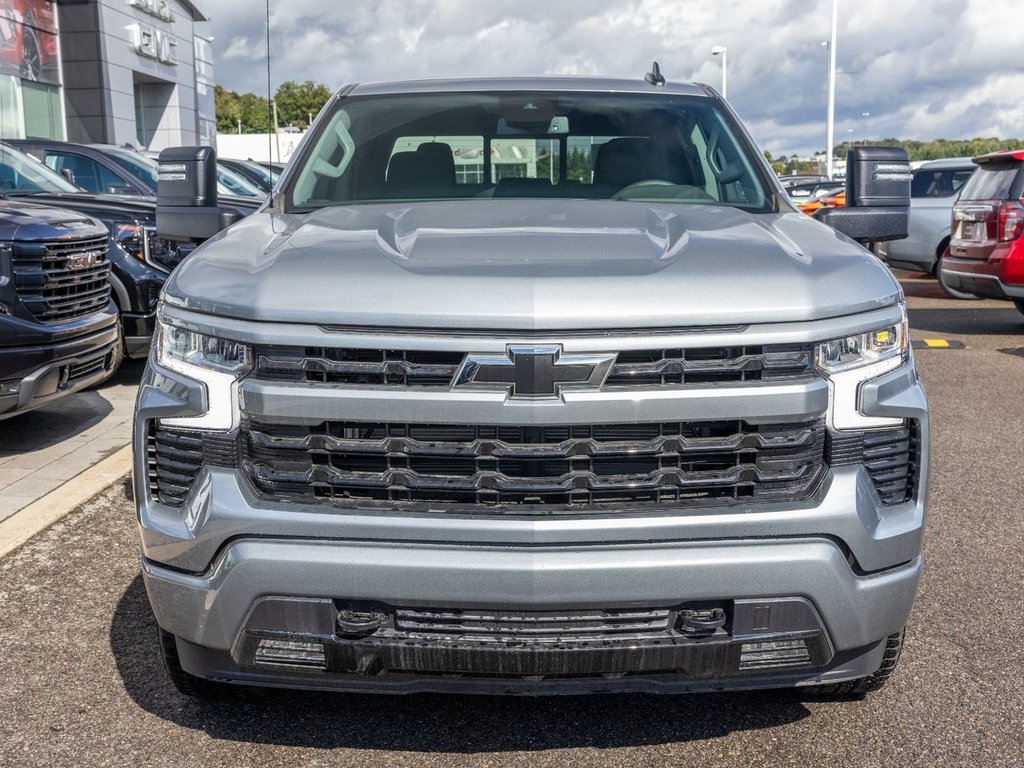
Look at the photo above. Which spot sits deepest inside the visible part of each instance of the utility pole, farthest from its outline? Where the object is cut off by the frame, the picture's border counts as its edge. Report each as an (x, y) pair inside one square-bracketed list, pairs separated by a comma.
[(830, 119), (721, 50)]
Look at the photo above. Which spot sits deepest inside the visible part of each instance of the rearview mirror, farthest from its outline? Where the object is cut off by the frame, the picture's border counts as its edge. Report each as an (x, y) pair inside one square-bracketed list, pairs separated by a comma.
[(877, 196), (186, 198)]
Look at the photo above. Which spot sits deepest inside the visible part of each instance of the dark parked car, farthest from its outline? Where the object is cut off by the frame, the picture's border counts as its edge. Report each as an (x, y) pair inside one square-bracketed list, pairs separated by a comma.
[(253, 172), (120, 172), (108, 169), (270, 165), (58, 326), (986, 248), (139, 262), (789, 181)]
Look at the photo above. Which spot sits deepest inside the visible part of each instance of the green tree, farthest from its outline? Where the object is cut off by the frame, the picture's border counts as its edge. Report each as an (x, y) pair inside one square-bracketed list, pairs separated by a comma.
[(297, 101), (578, 166), (937, 148), (777, 165), (246, 108)]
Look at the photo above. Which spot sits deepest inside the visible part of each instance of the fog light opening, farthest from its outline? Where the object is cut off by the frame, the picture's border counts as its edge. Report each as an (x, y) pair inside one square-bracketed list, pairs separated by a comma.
[(291, 653), (774, 653)]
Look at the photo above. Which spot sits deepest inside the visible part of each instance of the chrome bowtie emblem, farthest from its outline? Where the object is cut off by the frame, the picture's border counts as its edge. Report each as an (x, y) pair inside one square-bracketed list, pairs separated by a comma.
[(532, 371)]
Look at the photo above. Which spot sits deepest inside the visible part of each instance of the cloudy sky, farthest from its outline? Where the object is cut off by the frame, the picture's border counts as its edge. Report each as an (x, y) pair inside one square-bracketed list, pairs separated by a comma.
[(924, 69)]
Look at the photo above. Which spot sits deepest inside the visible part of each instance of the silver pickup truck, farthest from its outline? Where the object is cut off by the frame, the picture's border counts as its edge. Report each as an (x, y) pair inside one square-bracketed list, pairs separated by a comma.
[(531, 386)]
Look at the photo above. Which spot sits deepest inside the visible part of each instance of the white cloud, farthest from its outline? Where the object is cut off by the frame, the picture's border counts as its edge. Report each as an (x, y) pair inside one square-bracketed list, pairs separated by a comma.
[(244, 49), (939, 68)]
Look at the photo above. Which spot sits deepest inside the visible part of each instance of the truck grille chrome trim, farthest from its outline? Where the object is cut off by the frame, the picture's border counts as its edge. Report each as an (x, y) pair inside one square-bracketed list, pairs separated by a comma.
[(637, 368)]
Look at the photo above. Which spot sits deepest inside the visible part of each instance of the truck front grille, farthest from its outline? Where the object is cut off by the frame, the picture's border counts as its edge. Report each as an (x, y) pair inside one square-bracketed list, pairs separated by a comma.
[(523, 468), (534, 625), (62, 280), (645, 368)]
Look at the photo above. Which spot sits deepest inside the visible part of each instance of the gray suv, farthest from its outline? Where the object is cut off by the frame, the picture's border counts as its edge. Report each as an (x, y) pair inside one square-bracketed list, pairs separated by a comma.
[(531, 386), (934, 190)]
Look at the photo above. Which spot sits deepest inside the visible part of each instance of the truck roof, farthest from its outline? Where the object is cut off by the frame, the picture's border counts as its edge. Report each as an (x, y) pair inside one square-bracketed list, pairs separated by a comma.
[(594, 84)]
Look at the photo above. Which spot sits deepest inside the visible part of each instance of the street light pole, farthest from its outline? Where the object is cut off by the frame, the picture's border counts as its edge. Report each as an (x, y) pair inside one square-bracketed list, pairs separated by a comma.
[(830, 120), (721, 50)]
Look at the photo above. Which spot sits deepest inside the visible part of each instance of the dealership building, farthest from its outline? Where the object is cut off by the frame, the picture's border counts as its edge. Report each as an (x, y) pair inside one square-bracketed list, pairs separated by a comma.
[(106, 71)]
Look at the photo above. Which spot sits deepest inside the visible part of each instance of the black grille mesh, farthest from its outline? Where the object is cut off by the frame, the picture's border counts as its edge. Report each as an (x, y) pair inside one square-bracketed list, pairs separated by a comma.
[(703, 463), (533, 625)]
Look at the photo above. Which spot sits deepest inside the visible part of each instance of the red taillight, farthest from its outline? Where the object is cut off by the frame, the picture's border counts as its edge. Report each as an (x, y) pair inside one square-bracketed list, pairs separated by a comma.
[(1011, 221)]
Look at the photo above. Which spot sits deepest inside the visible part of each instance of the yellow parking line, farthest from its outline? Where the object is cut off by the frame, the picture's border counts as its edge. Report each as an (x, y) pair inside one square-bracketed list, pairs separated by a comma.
[(937, 344)]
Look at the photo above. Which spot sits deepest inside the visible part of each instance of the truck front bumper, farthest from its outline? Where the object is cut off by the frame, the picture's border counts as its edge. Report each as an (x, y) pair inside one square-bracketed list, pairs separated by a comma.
[(41, 374), (217, 619)]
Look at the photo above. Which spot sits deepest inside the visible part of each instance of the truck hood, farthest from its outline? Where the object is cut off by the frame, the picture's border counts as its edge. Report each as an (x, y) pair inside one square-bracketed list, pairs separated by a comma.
[(24, 220), (531, 265)]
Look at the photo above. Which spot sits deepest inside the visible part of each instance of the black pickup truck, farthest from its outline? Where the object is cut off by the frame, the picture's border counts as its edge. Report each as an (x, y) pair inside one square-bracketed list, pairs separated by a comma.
[(139, 260), (58, 325)]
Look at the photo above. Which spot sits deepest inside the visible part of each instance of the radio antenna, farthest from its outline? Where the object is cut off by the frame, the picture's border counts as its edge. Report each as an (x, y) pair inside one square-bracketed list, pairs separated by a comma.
[(270, 97)]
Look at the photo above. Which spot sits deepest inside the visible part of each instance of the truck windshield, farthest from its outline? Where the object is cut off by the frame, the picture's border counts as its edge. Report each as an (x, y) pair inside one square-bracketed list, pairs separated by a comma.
[(664, 148), (21, 173)]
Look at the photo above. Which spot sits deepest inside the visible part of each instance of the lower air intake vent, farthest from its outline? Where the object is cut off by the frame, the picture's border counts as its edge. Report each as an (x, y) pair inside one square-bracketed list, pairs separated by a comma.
[(175, 456), (891, 456)]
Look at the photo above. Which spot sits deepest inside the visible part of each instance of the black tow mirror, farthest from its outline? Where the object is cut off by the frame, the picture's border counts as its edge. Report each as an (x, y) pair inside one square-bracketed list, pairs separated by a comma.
[(877, 196), (186, 197)]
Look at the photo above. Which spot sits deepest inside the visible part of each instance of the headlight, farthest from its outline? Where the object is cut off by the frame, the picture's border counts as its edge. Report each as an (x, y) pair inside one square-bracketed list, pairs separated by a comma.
[(177, 343), (850, 361), (865, 348), (217, 363), (131, 237)]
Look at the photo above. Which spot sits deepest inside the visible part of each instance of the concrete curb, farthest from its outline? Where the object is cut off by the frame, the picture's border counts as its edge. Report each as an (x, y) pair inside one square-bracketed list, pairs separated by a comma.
[(20, 527)]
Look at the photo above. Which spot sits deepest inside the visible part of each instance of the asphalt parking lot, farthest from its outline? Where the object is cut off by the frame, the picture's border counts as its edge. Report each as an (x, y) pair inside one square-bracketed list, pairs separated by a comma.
[(82, 685)]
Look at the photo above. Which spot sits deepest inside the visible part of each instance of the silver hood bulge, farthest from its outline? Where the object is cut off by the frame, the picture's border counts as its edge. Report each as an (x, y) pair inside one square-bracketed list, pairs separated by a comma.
[(531, 265)]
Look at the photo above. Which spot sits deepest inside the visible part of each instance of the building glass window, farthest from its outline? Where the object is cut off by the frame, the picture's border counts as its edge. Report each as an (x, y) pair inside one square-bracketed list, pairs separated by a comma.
[(10, 108), (44, 118)]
